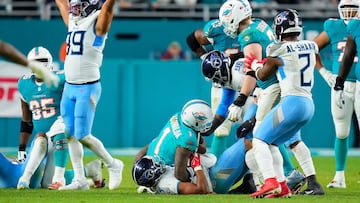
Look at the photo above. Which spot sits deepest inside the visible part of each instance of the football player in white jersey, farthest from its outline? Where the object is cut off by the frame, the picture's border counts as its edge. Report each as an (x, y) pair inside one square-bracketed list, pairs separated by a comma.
[(11, 53), (293, 61), (88, 23), (335, 36)]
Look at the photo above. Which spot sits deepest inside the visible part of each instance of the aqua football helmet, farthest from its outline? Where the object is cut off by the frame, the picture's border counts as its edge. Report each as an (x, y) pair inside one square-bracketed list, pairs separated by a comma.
[(286, 22), (216, 67), (147, 172), (83, 8), (42, 55), (197, 115), (348, 9), (231, 13)]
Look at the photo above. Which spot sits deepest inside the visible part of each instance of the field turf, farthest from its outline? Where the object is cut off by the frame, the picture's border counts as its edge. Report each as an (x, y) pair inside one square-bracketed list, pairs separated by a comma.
[(325, 167)]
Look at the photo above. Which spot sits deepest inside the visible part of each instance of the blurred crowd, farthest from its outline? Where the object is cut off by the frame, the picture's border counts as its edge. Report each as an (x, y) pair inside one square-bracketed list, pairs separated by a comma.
[(45, 7)]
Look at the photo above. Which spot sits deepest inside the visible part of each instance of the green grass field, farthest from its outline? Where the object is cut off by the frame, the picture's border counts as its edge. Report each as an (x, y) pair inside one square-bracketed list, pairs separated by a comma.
[(127, 191)]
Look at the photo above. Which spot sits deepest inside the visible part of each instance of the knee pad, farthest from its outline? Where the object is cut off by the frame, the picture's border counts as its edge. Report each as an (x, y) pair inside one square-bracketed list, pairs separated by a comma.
[(342, 129)]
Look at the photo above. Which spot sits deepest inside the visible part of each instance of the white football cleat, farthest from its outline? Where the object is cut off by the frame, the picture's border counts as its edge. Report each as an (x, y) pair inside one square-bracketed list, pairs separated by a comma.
[(77, 184), (115, 174), (336, 184)]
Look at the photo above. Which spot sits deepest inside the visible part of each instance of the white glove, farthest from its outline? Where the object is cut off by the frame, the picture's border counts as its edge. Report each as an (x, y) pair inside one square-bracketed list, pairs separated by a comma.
[(224, 129), (339, 92), (329, 77), (339, 98), (234, 112), (45, 74), (21, 156)]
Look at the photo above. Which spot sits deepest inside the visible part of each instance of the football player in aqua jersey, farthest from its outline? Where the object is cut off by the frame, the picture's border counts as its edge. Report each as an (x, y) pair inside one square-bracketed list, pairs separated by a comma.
[(48, 156), (254, 35), (286, 119), (201, 41), (40, 110), (334, 35), (177, 142), (88, 23)]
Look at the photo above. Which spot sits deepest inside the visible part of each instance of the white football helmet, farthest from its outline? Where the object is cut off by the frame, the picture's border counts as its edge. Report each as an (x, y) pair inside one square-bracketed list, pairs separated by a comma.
[(42, 55), (348, 9), (197, 115), (231, 13)]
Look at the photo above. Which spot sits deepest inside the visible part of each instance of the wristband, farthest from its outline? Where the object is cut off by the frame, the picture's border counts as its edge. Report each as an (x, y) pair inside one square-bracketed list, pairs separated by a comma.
[(197, 168), (240, 100)]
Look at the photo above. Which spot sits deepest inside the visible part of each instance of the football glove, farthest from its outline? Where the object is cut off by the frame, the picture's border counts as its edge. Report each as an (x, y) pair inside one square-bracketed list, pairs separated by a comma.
[(21, 156), (245, 127), (234, 112), (195, 161), (252, 63), (329, 77), (339, 92), (45, 74), (224, 129)]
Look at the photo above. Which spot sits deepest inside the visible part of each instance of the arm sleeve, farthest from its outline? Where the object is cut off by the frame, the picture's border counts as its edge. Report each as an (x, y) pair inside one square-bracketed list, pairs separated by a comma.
[(228, 96)]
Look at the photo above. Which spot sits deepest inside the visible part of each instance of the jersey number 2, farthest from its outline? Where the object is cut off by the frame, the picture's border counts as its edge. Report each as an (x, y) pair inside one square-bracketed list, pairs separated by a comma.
[(306, 65)]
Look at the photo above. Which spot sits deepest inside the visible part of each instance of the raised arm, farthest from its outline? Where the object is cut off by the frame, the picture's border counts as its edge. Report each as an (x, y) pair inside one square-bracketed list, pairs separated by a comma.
[(104, 20), (64, 6)]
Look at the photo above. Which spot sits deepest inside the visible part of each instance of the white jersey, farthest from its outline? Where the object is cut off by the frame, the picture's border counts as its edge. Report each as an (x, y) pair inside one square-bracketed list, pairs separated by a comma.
[(296, 76), (84, 51), (238, 74)]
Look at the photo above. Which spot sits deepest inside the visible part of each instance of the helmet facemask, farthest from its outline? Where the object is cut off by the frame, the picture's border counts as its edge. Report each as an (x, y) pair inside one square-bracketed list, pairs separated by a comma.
[(41, 55), (197, 114), (348, 9), (83, 8)]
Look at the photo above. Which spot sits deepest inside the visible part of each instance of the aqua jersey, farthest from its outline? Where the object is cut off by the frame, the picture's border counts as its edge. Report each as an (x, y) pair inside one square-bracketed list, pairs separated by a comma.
[(259, 32), (214, 31), (353, 29), (337, 39), (174, 134), (44, 103)]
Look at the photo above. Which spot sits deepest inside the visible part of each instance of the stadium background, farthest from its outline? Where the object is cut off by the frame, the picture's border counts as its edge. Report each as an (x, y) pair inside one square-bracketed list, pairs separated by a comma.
[(141, 92)]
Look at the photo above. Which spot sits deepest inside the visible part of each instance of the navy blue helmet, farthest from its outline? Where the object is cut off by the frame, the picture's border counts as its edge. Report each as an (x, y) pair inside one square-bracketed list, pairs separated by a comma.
[(216, 67), (287, 21), (147, 172)]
